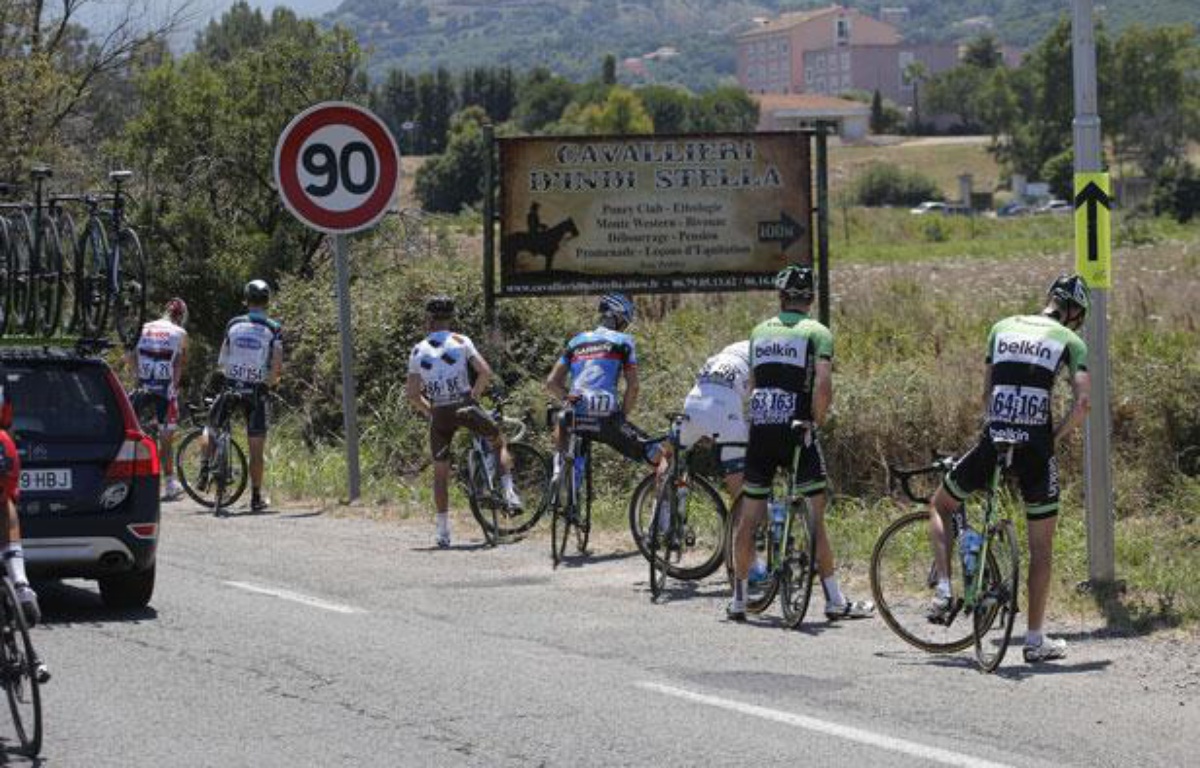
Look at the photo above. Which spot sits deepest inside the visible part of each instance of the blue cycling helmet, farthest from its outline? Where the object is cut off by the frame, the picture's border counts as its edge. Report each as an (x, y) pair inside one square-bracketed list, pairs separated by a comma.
[(617, 306)]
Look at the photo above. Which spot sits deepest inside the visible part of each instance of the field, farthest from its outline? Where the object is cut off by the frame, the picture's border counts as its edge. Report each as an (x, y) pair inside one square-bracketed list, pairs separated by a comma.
[(912, 298)]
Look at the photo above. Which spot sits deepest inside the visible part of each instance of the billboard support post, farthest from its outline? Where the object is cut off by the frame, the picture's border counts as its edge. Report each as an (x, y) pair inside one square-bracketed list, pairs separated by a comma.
[(822, 160), (489, 227)]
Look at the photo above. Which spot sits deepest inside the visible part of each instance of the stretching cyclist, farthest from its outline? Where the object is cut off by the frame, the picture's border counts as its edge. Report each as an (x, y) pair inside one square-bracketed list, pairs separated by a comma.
[(715, 410), (159, 359), (596, 361), (1025, 355), (791, 362), (439, 386), (10, 476)]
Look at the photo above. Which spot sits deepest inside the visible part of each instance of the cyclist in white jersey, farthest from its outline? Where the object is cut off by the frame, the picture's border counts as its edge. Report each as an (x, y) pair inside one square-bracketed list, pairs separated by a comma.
[(158, 360), (715, 410), (251, 360)]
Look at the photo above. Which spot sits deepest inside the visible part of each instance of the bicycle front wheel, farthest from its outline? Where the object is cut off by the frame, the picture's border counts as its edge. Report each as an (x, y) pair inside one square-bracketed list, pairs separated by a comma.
[(761, 593), (583, 507), (70, 269), (129, 303), (20, 678), (658, 537), (560, 521), (702, 517), (199, 481), (799, 566), (49, 277), (903, 580), (531, 481), (24, 285), (6, 269), (91, 279), (996, 608)]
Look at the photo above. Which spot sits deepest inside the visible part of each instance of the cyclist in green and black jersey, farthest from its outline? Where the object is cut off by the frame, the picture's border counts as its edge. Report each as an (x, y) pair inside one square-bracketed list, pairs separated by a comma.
[(1025, 355)]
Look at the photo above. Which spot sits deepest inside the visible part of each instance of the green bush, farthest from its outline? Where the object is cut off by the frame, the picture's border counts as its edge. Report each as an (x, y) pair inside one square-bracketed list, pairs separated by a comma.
[(887, 184)]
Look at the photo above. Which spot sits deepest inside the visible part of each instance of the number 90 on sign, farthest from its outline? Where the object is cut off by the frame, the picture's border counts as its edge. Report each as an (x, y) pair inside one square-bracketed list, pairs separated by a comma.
[(337, 167)]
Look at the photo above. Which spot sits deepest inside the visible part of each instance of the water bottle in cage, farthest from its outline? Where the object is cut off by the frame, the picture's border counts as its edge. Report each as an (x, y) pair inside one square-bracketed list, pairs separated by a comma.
[(778, 512)]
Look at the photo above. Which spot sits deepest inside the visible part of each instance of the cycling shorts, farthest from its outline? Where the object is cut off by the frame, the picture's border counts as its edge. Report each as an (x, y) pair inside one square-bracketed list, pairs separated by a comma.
[(251, 402), (721, 420), (773, 446), (445, 420), (163, 409), (1034, 466), (620, 435)]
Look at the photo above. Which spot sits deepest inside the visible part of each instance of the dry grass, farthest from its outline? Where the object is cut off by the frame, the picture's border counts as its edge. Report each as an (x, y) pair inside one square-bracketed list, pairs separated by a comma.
[(941, 159)]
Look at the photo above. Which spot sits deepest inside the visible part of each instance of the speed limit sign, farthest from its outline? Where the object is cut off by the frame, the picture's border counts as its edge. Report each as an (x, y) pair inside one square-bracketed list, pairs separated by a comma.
[(337, 167)]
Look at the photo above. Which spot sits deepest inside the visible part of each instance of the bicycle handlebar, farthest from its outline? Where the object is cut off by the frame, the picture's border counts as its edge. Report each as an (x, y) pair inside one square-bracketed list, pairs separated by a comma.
[(941, 463)]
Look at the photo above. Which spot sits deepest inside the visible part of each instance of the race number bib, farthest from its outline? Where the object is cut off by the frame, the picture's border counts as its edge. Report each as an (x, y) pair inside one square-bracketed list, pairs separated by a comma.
[(597, 403), (247, 360), (772, 406), (154, 371), (448, 390), (1027, 406)]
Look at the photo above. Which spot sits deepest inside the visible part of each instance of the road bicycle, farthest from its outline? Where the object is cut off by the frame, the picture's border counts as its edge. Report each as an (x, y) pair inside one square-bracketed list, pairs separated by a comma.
[(35, 263), (479, 475), (110, 268), (571, 494), (785, 544), (678, 523), (21, 672), (211, 465), (984, 596)]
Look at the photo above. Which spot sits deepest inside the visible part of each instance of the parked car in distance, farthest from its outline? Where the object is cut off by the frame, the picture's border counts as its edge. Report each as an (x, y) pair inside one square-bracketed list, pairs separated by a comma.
[(1056, 206), (929, 206), (89, 482), (1013, 209)]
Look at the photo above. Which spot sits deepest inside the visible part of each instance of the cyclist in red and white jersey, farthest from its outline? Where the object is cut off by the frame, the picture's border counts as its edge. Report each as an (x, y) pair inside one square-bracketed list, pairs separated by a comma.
[(158, 360), (13, 553)]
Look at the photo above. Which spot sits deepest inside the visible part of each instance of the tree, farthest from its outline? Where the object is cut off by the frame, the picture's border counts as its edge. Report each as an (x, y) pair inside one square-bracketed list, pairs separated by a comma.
[(609, 74), (877, 116), (543, 97), (725, 109), (914, 74), (983, 53), (452, 180), (667, 107), (622, 113)]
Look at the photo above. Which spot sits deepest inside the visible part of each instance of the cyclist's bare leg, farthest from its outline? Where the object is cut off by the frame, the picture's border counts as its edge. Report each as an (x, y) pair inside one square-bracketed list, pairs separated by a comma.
[(940, 509), (748, 518), (825, 562), (258, 446), (441, 486), (166, 450), (1041, 552), (733, 484)]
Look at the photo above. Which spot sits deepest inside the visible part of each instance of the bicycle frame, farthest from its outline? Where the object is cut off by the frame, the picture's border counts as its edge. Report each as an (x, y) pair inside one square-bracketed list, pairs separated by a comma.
[(974, 586)]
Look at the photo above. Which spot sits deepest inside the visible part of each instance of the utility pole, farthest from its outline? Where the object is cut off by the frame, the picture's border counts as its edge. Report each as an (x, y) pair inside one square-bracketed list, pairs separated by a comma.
[(1098, 464)]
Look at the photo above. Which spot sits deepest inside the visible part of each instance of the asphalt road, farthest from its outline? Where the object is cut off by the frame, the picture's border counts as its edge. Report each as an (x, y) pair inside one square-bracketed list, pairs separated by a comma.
[(299, 639)]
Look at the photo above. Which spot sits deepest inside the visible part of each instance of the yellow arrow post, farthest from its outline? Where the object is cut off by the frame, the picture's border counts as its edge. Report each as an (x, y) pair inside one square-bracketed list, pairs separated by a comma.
[(1093, 229)]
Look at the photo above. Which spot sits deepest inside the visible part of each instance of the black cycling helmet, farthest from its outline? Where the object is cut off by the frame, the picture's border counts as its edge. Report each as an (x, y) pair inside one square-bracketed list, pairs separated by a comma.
[(617, 306), (795, 282), (257, 292), (440, 307), (1072, 291)]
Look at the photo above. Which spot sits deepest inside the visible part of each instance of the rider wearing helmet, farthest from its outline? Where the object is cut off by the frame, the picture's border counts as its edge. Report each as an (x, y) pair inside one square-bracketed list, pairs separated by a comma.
[(159, 358), (715, 409), (791, 363), (1025, 355), (595, 362), (251, 361), (10, 473), (439, 386)]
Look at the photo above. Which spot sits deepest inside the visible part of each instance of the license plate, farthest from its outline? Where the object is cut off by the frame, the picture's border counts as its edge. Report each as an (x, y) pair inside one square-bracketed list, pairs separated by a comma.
[(45, 480)]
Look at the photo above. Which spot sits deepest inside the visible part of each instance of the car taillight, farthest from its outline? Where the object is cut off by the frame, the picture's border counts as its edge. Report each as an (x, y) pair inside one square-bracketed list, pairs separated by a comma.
[(138, 457), (144, 530)]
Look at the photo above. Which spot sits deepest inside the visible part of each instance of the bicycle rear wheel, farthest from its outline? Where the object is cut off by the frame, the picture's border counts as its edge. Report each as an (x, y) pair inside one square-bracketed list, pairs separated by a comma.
[(68, 238), (5, 274), (129, 303), (658, 537), (583, 510), (189, 464), (91, 279), (799, 566), (24, 285), (903, 581), (473, 478), (19, 668), (563, 512), (702, 516), (531, 481), (996, 609), (49, 278)]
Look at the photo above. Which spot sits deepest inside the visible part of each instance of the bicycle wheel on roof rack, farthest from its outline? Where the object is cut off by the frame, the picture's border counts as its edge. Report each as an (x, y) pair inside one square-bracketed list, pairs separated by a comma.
[(91, 279), (68, 237), (129, 302), (49, 279), (21, 308), (5, 275)]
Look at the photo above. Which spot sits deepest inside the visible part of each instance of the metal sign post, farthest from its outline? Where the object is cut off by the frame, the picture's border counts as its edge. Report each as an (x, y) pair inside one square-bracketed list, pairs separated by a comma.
[(337, 168), (1098, 466)]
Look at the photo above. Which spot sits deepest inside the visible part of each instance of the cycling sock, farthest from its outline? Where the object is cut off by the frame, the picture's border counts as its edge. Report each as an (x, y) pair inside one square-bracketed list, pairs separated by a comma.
[(833, 593), (14, 563), (558, 463), (943, 588), (506, 482), (1033, 638), (443, 523), (740, 588)]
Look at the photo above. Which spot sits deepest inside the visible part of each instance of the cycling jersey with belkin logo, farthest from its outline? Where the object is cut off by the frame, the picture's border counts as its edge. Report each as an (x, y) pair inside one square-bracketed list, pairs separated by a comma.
[(596, 360), (784, 352), (158, 350), (250, 342), (1026, 353), (442, 360)]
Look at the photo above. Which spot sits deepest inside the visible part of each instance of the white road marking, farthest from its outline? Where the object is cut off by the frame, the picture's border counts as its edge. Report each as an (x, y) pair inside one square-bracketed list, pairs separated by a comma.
[(296, 597), (827, 728)]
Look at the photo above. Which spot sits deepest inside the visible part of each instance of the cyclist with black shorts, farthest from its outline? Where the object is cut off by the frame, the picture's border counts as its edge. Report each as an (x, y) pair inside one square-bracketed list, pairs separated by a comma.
[(251, 361), (1025, 355), (439, 386), (791, 364), (595, 362), (158, 360), (10, 481)]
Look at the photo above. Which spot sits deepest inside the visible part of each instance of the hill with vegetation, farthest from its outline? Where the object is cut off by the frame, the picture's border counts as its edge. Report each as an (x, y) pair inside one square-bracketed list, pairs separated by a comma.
[(572, 36)]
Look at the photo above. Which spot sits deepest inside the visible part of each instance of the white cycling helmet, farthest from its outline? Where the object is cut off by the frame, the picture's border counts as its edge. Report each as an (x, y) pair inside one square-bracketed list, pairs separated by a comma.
[(740, 350)]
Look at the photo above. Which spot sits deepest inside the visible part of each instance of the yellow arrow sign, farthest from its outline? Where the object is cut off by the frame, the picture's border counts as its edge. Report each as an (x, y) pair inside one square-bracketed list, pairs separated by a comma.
[(1093, 229)]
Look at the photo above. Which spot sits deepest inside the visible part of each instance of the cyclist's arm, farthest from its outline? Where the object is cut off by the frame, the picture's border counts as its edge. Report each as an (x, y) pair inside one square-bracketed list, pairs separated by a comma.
[(987, 388), (412, 388), (483, 375), (823, 394), (556, 382), (180, 364), (276, 365), (1081, 388), (631, 390)]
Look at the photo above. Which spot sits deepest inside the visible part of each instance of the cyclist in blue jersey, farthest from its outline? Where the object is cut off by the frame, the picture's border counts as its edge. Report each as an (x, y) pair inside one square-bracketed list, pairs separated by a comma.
[(595, 362)]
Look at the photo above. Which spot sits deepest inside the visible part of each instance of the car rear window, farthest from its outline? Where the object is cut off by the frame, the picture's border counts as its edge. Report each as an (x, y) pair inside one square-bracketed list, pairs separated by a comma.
[(70, 403)]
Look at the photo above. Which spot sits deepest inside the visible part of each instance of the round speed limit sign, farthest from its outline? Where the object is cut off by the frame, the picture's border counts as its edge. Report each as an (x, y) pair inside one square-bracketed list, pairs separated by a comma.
[(337, 167)]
